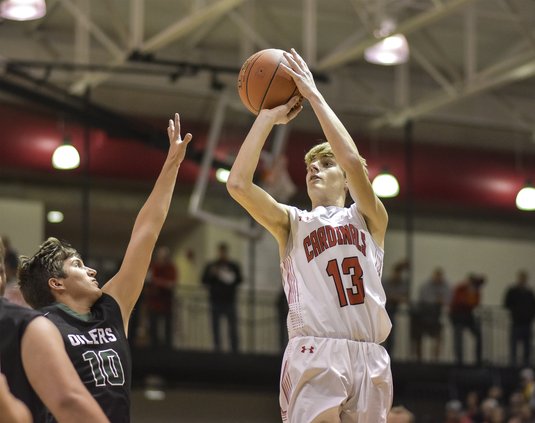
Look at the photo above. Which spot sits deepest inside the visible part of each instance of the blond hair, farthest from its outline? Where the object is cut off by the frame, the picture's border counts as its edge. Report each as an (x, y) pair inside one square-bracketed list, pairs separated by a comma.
[(324, 150)]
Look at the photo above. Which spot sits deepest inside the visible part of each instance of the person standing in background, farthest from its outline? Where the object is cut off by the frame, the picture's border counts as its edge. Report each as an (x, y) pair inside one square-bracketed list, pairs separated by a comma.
[(396, 288), (520, 301), (12, 291), (465, 299), (222, 276), (426, 315), (159, 297)]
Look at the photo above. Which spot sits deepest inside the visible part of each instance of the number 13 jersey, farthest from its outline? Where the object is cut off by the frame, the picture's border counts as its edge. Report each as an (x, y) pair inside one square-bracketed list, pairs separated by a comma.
[(332, 276)]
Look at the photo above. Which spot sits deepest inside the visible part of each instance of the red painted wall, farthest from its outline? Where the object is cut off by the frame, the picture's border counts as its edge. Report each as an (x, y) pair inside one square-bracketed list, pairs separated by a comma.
[(442, 175)]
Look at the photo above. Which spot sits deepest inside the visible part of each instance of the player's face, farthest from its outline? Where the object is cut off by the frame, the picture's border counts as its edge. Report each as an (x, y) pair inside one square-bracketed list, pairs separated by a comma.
[(80, 280), (325, 175)]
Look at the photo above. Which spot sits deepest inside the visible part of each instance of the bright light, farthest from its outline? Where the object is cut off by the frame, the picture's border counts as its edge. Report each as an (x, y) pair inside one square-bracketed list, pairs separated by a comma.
[(66, 157), (222, 175), (154, 394), (525, 199), (385, 185), (392, 50), (22, 10), (54, 216)]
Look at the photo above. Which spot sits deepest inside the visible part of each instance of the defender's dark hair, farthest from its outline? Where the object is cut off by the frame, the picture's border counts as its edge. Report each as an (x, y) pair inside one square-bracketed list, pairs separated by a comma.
[(34, 272)]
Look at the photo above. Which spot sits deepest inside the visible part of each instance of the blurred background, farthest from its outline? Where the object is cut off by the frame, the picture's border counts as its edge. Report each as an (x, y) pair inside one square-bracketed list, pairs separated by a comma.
[(447, 110)]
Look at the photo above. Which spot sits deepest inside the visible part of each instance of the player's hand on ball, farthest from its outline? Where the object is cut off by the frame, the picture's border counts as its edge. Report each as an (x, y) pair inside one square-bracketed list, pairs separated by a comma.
[(281, 115), (177, 148), (300, 73)]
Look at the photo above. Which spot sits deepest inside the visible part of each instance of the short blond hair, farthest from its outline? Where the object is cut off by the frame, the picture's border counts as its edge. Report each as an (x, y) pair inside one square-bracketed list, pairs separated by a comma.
[(324, 150)]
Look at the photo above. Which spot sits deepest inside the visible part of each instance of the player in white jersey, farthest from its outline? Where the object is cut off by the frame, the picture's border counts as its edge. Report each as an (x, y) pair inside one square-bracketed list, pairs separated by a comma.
[(334, 369)]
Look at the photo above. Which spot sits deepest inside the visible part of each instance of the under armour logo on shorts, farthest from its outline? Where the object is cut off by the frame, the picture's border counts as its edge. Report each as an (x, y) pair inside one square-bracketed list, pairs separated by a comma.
[(309, 349)]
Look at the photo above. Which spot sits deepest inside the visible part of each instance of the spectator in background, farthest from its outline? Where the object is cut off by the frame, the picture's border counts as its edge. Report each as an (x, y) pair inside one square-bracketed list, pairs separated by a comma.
[(222, 276), (159, 296), (520, 301), (12, 290), (396, 287), (426, 316), (454, 413), (399, 414), (466, 298)]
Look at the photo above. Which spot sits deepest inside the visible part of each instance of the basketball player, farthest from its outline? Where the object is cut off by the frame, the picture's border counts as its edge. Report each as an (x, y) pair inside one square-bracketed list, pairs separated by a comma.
[(94, 321), (35, 363), (331, 261)]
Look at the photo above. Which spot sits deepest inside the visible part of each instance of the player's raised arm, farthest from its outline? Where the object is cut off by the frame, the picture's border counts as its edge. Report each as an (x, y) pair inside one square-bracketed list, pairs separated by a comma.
[(127, 284), (260, 205), (343, 147)]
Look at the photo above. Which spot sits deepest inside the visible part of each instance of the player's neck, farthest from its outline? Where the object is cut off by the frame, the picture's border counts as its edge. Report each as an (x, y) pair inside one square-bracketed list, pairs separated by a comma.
[(327, 202), (79, 307)]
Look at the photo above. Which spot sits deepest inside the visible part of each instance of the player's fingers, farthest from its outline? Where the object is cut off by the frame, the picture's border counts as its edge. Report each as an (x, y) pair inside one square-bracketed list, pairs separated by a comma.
[(289, 70), (291, 60), (297, 57), (187, 138), (177, 124), (170, 129)]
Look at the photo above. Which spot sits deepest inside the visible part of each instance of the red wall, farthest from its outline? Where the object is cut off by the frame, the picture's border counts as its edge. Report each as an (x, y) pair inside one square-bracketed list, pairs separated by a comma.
[(442, 175)]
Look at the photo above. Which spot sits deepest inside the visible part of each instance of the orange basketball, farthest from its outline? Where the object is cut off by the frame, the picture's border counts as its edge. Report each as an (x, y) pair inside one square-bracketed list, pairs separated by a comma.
[(263, 83)]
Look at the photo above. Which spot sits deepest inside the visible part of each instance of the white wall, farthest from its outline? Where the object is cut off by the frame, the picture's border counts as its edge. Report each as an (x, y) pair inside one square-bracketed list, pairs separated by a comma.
[(498, 258), (23, 222)]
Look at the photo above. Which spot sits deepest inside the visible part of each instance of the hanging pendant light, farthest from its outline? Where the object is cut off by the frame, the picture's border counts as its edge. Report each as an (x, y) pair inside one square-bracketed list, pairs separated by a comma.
[(66, 156), (385, 185), (525, 199), (22, 10)]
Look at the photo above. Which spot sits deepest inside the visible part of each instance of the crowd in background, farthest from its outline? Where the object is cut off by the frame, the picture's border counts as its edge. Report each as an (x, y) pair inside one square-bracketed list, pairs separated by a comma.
[(460, 301), (436, 296)]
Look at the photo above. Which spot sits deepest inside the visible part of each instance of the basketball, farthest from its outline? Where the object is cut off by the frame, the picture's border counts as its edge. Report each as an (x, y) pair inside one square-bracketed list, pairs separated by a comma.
[(263, 83)]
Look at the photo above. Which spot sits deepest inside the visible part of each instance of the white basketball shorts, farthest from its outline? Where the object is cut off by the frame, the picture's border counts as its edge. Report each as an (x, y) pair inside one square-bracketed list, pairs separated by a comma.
[(335, 380)]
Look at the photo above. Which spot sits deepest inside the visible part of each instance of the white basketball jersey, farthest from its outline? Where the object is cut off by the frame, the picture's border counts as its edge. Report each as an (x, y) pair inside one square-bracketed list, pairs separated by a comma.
[(332, 276)]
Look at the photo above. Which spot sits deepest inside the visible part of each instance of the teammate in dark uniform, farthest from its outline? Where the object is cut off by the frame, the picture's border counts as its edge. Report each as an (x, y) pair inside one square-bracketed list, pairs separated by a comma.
[(34, 362), (94, 321)]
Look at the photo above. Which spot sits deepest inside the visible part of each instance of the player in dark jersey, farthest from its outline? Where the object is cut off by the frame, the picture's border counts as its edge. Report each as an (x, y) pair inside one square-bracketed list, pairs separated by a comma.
[(94, 321), (36, 366)]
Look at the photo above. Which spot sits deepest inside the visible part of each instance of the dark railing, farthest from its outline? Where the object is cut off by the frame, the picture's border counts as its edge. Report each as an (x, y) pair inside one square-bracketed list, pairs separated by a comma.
[(261, 334)]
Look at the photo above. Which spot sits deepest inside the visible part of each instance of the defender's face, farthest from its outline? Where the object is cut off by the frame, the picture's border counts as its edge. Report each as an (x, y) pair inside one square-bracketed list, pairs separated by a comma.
[(325, 174), (80, 280)]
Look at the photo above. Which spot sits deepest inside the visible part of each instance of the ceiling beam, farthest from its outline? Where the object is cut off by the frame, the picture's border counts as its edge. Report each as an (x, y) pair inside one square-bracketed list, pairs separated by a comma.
[(519, 67), (94, 29), (415, 23), (183, 27), (310, 30)]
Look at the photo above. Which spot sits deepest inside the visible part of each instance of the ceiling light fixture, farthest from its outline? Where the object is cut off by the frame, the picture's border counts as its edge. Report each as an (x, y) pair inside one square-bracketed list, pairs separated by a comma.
[(222, 175), (22, 10), (385, 185), (54, 216), (391, 50), (66, 156), (525, 199)]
